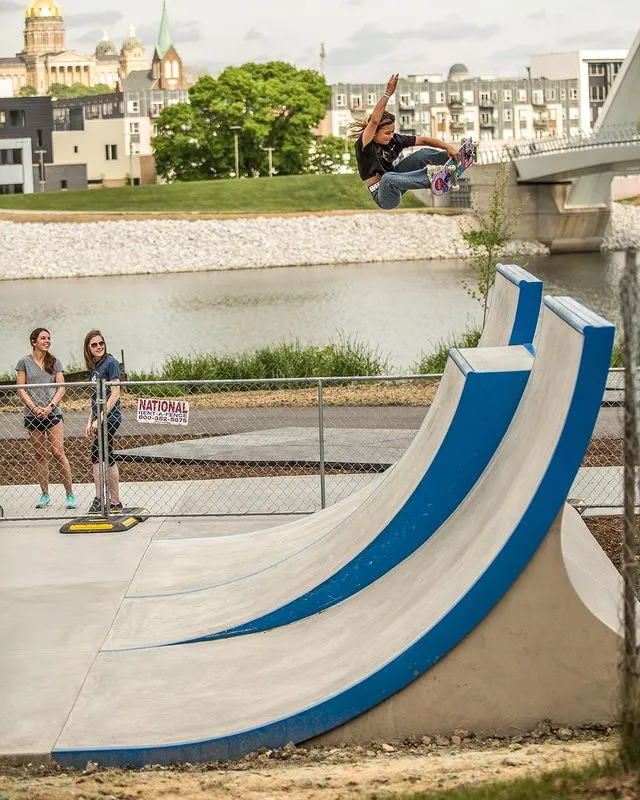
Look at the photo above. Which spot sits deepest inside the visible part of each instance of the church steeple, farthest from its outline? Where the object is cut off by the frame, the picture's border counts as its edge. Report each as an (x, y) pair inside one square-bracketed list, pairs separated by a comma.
[(164, 35)]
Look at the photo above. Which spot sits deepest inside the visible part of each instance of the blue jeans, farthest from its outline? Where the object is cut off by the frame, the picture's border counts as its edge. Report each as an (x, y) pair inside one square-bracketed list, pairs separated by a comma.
[(410, 173)]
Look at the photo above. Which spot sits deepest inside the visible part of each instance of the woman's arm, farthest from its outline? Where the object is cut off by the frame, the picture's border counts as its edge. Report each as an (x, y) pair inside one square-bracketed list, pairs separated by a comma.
[(58, 394), (370, 131), (21, 380), (114, 396), (427, 141)]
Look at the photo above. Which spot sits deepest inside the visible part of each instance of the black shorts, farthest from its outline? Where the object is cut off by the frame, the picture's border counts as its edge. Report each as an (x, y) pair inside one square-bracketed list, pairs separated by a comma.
[(112, 427), (42, 424)]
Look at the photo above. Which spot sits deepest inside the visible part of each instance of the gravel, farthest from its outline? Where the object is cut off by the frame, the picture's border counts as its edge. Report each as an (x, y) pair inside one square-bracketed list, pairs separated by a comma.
[(64, 250)]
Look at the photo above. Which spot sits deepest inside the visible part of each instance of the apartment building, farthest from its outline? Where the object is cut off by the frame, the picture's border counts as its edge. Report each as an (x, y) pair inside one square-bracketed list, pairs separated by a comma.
[(112, 133), (452, 108), (594, 70)]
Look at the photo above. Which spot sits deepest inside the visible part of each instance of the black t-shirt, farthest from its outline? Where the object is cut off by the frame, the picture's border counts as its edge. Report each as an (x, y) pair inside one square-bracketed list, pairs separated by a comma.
[(375, 158)]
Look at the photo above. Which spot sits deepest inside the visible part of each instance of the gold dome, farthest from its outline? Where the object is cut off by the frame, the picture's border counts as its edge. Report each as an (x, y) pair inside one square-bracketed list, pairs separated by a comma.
[(43, 8)]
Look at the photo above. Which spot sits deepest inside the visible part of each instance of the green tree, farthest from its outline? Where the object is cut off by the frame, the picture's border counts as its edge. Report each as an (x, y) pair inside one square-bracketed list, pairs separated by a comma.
[(27, 91), (492, 231), (266, 105), (181, 146), (328, 154), (58, 90)]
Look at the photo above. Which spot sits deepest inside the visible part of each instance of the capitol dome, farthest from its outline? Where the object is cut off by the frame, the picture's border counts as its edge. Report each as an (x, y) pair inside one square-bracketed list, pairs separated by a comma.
[(132, 42), (43, 8), (105, 47), (458, 72)]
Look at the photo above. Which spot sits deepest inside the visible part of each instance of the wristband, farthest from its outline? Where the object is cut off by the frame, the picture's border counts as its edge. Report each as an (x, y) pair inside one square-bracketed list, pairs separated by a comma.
[(387, 94)]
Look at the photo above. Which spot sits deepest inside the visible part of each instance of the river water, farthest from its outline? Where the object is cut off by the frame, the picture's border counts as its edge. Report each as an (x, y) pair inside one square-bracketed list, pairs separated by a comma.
[(400, 308)]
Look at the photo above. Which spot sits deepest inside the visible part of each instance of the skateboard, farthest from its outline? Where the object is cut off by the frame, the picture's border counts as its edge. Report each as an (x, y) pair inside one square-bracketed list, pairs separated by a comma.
[(444, 177)]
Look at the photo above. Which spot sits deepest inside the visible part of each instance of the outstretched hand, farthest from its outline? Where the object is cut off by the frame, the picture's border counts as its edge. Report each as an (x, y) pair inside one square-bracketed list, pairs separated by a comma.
[(392, 82)]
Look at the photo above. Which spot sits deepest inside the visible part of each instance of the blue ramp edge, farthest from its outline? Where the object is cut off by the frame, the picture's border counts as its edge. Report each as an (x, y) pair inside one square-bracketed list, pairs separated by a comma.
[(445, 635)]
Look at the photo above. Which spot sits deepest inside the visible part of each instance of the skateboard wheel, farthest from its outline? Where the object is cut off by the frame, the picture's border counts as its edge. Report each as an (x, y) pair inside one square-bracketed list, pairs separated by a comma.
[(455, 188)]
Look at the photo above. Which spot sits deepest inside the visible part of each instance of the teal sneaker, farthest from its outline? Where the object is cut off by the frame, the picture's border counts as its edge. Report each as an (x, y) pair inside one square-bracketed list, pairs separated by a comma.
[(71, 500), (44, 501)]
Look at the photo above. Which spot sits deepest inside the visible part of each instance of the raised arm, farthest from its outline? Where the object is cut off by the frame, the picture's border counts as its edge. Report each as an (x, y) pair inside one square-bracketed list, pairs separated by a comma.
[(370, 131)]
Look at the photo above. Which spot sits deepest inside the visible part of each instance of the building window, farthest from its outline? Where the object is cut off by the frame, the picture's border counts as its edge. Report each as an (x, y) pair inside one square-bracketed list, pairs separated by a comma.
[(507, 115), (17, 156), (17, 118), (616, 67), (39, 134), (176, 69), (64, 185), (75, 148), (439, 98), (405, 100), (573, 94), (597, 93), (3, 119), (134, 107), (341, 100), (18, 188), (371, 99), (356, 101), (4, 157), (522, 95), (537, 98), (597, 70), (507, 95), (134, 127), (111, 152), (167, 69), (563, 94), (406, 121)]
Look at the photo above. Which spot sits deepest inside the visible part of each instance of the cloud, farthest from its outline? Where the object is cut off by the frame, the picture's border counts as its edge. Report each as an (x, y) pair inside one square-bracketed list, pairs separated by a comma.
[(92, 18), (10, 7), (182, 33), (372, 42), (252, 35), (538, 16), (611, 37)]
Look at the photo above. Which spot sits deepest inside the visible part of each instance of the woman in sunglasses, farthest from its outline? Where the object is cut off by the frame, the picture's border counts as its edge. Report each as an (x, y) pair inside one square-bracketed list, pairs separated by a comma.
[(42, 415), (105, 367)]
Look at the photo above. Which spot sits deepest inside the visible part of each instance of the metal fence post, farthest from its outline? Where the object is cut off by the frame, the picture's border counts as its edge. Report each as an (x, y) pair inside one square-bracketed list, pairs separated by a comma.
[(101, 433), (323, 487)]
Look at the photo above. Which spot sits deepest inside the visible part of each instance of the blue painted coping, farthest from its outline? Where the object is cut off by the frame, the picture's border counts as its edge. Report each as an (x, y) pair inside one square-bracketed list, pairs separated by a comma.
[(487, 403), (525, 320), (463, 617)]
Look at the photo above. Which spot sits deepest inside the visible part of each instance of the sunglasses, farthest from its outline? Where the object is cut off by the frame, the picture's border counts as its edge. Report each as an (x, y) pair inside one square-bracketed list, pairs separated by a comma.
[(96, 344)]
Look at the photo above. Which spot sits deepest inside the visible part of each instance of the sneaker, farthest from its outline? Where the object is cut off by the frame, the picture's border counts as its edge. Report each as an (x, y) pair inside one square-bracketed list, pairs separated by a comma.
[(116, 507), (71, 500), (44, 501), (95, 507)]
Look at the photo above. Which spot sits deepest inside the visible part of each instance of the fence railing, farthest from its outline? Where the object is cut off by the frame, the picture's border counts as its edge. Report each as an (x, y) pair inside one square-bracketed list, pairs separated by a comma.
[(264, 446)]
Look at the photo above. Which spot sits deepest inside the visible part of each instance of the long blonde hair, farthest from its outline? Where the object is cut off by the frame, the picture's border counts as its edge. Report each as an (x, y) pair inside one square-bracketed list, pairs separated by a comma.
[(356, 128)]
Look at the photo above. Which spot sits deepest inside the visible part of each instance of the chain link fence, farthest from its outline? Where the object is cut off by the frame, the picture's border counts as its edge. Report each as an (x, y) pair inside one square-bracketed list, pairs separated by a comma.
[(253, 447)]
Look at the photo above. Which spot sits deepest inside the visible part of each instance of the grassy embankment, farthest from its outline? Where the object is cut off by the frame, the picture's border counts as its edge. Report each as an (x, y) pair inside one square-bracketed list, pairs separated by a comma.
[(286, 194)]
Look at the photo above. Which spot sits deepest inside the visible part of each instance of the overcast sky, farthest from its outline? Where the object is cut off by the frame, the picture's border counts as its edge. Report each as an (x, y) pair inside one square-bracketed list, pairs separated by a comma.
[(365, 40)]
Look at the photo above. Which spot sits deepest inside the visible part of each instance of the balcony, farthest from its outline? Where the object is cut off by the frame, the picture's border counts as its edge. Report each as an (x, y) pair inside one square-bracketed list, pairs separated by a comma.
[(487, 123), (541, 122), (485, 103), (457, 127), (455, 102)]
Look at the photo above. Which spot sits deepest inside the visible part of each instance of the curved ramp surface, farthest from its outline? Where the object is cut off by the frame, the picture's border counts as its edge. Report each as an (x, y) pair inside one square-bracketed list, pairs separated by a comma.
[(175, 567), (221, 699), (515, 307), (477, 398)]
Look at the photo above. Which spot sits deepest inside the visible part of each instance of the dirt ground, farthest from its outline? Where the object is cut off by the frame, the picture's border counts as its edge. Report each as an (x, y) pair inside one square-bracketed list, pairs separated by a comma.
[(377, 770)]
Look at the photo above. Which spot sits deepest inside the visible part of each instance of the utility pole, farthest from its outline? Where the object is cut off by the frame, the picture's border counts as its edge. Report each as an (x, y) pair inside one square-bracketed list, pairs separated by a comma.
[(270, 153), (323, 58), (43, 180), (235, 129)]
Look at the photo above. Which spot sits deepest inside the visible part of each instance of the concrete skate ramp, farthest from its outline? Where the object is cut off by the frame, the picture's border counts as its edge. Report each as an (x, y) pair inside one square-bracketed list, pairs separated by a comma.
[(172, 568), (322, 564), (221, 699)]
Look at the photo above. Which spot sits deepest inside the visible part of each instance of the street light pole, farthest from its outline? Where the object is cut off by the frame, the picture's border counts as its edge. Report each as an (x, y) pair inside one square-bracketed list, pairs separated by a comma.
[(236, 128), (43, 180), (270, 153)]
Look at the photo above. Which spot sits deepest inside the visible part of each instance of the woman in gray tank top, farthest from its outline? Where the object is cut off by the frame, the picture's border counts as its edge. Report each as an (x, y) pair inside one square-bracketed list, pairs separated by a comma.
[(42, 371)]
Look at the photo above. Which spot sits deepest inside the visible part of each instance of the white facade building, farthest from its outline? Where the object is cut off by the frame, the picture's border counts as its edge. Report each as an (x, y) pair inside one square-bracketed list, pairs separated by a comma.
[(16, 166)]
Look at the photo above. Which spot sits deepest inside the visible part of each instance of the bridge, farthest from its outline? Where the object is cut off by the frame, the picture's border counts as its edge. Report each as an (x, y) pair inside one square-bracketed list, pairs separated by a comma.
[(614, 150)]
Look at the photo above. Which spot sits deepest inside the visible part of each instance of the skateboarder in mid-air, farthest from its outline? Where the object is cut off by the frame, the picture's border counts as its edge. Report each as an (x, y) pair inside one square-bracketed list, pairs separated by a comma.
[(378, 146)]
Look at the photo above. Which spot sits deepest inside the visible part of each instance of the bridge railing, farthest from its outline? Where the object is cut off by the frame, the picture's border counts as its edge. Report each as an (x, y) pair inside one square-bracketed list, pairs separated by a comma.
[(627, 133)]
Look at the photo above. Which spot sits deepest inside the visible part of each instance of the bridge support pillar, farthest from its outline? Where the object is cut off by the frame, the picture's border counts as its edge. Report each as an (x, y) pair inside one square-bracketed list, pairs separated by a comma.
[(545, 216)]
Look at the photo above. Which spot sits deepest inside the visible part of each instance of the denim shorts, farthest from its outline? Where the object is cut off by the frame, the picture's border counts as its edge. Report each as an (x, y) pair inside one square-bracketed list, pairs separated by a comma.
[(42, 424)]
